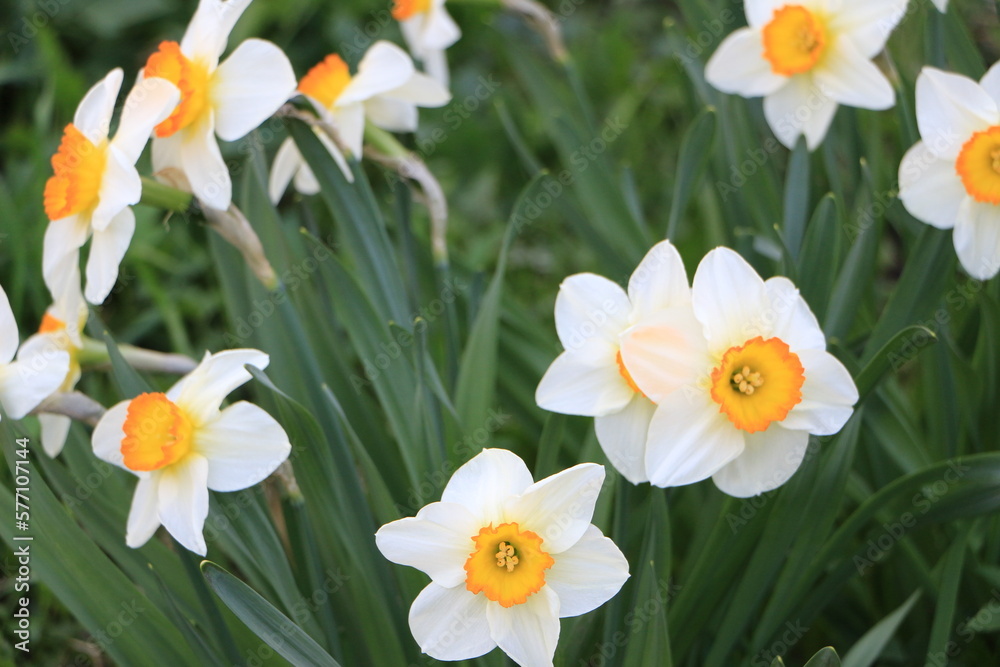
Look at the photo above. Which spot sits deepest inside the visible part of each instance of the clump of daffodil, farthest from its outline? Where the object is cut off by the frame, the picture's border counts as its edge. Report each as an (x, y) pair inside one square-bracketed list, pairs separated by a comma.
[(95, 183), (386, 90), (765, 382), (180, 444), (227, 99), (950, 179), (507, 557), (806, 57)]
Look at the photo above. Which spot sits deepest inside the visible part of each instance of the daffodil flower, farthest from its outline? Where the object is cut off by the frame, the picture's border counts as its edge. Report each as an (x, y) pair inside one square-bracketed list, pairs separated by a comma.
[(507, 558), (386, 90), (26, 382), (95, 182), (428, 30), (180, 445), (805, 57), (228, 99), (766, 383), (590, 377), (951, 177), (61, 330)]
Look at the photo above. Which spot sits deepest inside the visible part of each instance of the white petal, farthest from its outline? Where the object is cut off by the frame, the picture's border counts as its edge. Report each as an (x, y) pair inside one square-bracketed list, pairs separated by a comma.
[(868, 24), (950, 109), (252, 83), (243, 446), (436, 65), (106, 253), (384, 67), (485, 481), (201, 392), (167, 154), (203, 165), (24, 384), (622, 436), (658, 282), (665, 352), (61, 253), (93, 115), (930, 188), (942, 5), (527, 632), (787, 316), (183, 501), (108, 435), (728, 297), (437, 542), (559, 508), (144, 515), (120, 188), (439, 31), (450, 623), (149, 103), (760, 12), (800, 108), (350, 123), (584, 382), (54, 431), (392, 114), (8, 330), (828, 395), (689, 439), (590, 306), (588, 574), (305, 180), (208, 32), (849, 77), (739, 67), (770, 458), (422, 90), (287, 161), (991, 82), (977, 238)]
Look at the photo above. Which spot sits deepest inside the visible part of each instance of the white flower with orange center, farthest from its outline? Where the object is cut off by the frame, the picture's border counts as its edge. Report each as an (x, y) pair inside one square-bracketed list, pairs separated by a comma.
[(507, 557), (28, 381), (180, 445), (591, 379), (805, 57), (428, 30), (765, 383), (228, 99), (951, 177), (61, 330), (95, 183), (386, 90)]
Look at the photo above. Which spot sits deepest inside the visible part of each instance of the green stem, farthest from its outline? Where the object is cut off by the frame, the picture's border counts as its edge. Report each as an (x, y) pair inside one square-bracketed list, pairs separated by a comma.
[(158, 195), (385, 143)]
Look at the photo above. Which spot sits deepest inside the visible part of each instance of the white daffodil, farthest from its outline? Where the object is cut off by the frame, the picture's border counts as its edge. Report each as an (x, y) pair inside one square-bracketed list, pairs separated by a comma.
[(766, 383), (951, 177), (386, 90), (61, 330), (180, 445), (26, 382), (591, 379), (428, 30), (96, 182), (228, 99), (507, 559), (805, 57)]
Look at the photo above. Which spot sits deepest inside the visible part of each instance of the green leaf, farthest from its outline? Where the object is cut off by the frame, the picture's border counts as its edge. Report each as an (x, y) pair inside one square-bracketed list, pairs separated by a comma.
[(825, 657), (868, 649), (696, 149), (947, 599), (796, 198), (276, 629), (896, 353)]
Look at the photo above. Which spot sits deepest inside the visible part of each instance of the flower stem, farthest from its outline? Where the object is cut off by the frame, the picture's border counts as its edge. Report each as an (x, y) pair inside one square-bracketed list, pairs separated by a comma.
[(163, 196)]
